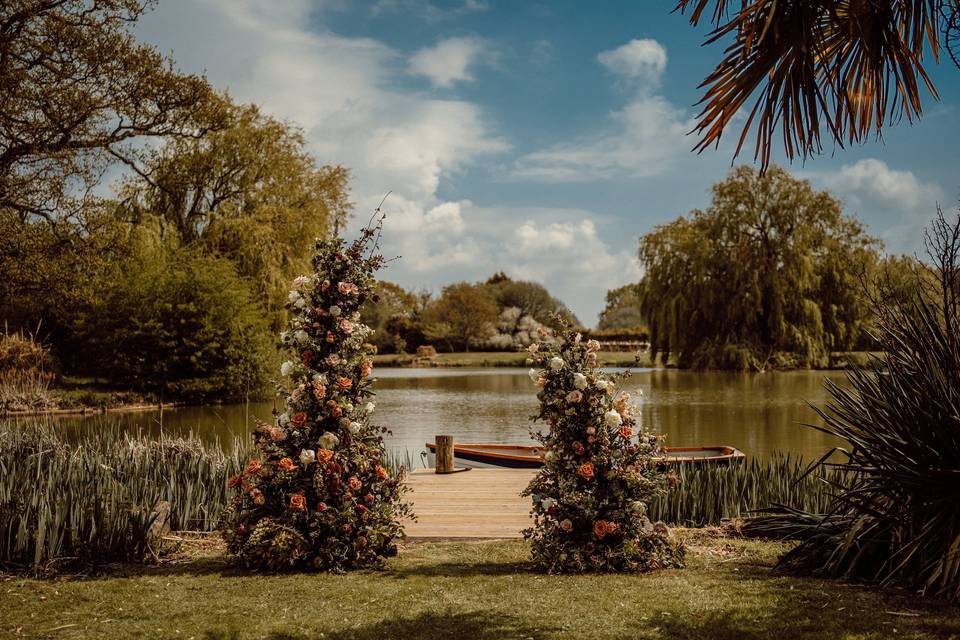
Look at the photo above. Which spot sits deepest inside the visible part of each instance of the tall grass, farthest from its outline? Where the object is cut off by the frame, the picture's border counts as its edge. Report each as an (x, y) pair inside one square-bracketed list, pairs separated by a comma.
[(95, 500)]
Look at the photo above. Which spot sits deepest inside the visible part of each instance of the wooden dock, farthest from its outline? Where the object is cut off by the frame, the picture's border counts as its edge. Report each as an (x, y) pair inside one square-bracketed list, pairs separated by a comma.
[(478, 504)]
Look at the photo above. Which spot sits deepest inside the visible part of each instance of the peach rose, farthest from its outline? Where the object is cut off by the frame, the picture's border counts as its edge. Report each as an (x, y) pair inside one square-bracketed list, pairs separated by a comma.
[(257, 496), (324, 456), (298, 502), (354, 483), (344, 383), (235, 481), (366, 368), (346, 326), (299, 419), (626, 431), (286, 464), (253, 467), (382, 473), (319, 390)]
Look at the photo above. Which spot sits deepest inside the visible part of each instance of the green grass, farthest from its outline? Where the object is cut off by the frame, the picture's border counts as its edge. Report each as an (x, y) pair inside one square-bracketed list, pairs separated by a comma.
[(500, 359), (472, 591)]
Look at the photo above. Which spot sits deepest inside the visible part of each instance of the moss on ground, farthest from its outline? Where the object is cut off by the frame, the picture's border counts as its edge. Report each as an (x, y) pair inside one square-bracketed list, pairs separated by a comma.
[(479, 591)]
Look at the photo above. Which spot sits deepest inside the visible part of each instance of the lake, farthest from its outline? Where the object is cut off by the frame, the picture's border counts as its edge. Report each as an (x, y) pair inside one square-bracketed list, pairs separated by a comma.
[(757, 413)]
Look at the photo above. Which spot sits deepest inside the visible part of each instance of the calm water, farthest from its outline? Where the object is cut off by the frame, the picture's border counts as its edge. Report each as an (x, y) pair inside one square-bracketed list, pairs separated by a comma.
[(758, 413)]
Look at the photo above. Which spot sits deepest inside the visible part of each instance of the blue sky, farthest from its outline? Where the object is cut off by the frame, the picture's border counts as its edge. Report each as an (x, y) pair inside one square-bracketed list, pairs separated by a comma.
[(541, 139)]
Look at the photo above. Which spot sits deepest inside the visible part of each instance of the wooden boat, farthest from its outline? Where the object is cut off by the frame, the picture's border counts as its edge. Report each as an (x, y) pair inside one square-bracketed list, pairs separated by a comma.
[(515, 456)]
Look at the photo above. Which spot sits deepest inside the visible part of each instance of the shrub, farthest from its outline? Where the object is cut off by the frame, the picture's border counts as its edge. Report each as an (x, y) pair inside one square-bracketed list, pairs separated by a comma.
[(181, 324), (895, 517)]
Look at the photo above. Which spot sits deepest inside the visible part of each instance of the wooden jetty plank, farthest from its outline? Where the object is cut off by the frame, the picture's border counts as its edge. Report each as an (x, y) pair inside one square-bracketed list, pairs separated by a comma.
[(480, 503)]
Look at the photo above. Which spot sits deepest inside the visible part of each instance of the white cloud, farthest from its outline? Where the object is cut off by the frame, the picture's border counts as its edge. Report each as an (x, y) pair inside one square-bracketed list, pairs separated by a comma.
[(449, 61), (638, 59), (643, 139), (427, 10)]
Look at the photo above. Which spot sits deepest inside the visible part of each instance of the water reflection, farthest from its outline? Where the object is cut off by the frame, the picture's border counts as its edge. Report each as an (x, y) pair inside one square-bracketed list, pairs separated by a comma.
[(757, 413)]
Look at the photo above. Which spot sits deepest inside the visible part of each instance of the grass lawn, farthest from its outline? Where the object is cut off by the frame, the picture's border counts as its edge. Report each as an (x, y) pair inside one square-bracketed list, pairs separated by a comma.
[(500, 359), (482, 590)]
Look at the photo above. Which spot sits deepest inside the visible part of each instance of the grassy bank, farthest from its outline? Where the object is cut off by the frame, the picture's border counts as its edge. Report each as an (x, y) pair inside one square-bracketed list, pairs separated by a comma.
[(498, 359), (480, 591)]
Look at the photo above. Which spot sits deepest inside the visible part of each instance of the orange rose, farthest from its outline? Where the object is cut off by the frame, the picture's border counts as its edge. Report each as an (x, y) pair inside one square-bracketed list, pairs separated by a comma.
[(257, 496), (235, 481), (299, 419), (286, 464), (602, 528), (382, 473), (298, 501), (253, 467), (344, 383), (354, 483), (324, 455), (586, 471), (626, 432)]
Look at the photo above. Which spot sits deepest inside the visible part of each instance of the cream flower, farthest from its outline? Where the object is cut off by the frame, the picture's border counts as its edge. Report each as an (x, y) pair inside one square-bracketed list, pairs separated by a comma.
[(308, 456), (328, 440), (556, 363), (534, 374), (580, 381), (301, 336), (612, 418), (286, 368), (335, 311)]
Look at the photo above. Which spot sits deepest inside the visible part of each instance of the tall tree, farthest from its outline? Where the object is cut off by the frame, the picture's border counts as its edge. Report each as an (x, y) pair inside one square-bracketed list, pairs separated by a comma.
[(463, 315), (623, 309), (772, 266), (836, 68), (76, 93)]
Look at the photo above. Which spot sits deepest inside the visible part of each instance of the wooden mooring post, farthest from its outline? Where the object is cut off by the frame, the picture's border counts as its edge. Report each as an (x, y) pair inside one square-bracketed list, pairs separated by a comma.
[(444, 455)]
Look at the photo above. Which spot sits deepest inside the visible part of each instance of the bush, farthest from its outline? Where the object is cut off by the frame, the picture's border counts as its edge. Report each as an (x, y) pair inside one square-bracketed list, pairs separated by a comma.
[(895, 517), (182, 324)]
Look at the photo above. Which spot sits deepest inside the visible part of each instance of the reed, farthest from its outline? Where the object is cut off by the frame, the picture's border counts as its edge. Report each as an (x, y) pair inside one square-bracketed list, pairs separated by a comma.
[(95, 499), (708, 494)]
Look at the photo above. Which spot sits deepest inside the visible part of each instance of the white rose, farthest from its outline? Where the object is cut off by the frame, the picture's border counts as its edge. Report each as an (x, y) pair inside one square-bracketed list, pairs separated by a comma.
[(293, 296), (301, 281), (556, 363), (354, 428), (300, 304), (370, 407), (335, 311), (534, 374), (328, 440), (548, 502), (308, 456), (579, 381), (286, 368), (301, 336), (602, 385), (320, 377), (284, 419), (613, 419)]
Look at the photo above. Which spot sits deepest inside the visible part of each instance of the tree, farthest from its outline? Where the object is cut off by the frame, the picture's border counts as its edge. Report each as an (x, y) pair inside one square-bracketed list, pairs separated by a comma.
[(531, 298), (390, 312), (590, 497), (464, 314), (819, 67), (771, 268), (317, 493), (250, 192), (623, 309), (77, 93)]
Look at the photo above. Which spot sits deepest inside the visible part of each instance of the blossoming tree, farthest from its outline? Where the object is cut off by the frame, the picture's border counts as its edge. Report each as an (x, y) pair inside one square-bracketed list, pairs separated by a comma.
[(317, 492), (600, 469)]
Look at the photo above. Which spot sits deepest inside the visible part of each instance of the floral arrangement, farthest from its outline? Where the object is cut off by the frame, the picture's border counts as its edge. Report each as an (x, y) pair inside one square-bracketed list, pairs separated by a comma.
[(600, 469), (316, 491)]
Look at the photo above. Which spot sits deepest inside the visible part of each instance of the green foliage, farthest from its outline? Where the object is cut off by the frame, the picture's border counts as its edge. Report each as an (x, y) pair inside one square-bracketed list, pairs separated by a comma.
[(531, 298), (317, 493), (93, 500), (896, 517), (772, 266), (180, 323), (392, 312), (463, 316), (590, 497), (249, 192)]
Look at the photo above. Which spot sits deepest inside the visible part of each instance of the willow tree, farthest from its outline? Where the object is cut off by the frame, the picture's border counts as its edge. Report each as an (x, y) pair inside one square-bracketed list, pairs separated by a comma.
[(768, 275), (250, 192)]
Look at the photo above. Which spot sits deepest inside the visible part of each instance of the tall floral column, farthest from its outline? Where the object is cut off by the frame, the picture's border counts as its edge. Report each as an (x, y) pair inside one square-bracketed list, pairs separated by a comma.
[(317, 492), (600, 469)]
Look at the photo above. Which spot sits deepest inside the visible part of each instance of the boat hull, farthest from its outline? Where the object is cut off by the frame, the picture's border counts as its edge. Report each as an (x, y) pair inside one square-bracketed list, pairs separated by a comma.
[(503, 456)]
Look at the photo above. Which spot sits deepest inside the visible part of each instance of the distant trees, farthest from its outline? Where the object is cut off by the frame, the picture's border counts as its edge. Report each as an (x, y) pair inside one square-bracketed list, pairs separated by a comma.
[(622, 310), (770, 274), (463, 316)]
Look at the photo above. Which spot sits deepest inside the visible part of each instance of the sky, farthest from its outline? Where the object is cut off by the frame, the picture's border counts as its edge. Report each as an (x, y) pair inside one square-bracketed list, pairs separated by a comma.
[(542, 139)]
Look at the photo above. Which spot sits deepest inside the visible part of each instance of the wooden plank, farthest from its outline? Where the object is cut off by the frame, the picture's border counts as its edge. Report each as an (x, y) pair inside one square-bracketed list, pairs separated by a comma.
[(480, 503)]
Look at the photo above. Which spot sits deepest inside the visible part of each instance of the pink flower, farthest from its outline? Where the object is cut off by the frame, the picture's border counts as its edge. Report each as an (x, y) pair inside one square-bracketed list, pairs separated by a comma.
[(348, 288), (593, 346), (333, 359), (566, 525), (354, 483), (346, 326), (574, 396)]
